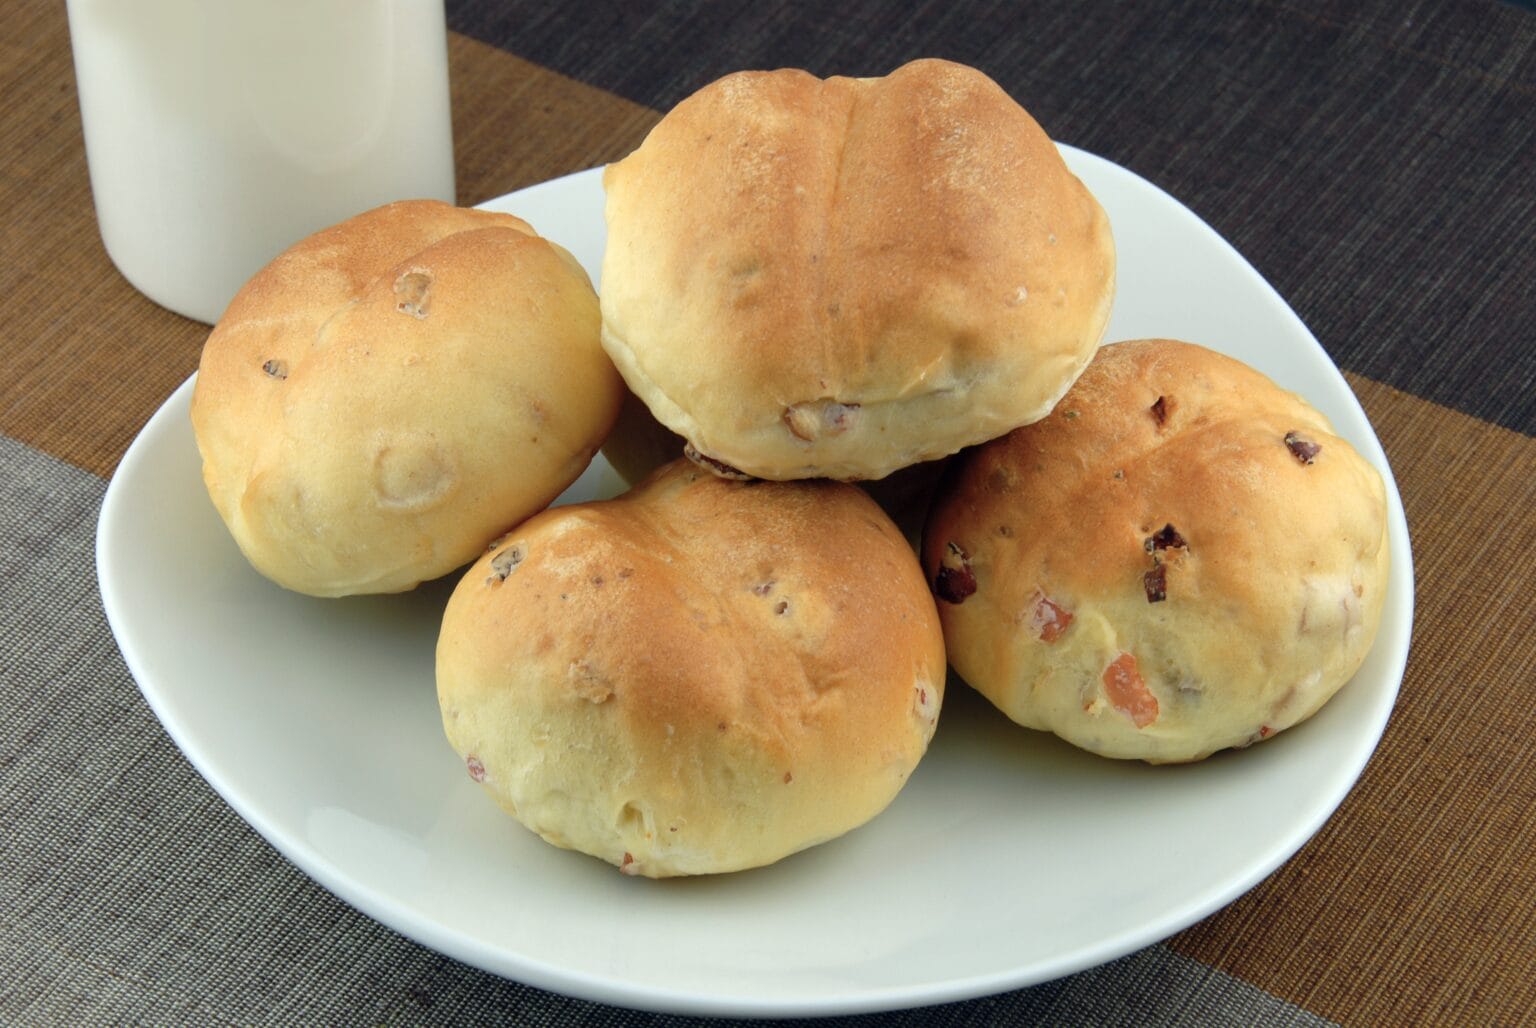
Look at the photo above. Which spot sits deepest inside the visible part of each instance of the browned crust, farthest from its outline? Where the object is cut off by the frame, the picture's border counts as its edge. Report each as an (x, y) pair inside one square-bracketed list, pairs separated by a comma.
[(391, 392), (910, 246), (1185, 528), (753, 629)]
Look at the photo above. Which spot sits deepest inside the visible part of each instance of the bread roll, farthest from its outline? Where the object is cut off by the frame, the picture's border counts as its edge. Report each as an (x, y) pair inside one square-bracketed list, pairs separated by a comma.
[(1182, 557), (389, 394), (842, 278), (701, 676)]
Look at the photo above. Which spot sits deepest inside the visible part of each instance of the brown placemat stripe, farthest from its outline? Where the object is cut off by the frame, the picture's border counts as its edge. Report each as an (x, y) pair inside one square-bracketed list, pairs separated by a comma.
[(516, 123), (83, 356), (1414, 903), (88, 358)]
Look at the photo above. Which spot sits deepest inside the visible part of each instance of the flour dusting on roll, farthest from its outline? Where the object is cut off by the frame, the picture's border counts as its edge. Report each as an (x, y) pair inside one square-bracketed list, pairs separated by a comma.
[(844, 277)]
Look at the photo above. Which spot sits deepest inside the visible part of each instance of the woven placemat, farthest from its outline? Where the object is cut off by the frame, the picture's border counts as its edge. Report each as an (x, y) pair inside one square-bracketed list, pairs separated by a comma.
[(1373, 162)]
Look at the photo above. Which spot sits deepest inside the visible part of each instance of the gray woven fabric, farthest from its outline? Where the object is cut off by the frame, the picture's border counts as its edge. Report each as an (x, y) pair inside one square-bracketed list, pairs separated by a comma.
[(131, 894)]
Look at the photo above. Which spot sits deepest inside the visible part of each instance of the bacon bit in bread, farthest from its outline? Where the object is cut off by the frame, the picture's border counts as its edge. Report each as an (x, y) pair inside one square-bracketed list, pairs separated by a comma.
[(503, 564), (955, 580), (628, 865), (718, 467), (1303, 449), (925, 706), (414, 288), (1127, 691), (1155, 582), (476, 769), (1263, 733), (1165, 538), (1049, 619), (813, 419)]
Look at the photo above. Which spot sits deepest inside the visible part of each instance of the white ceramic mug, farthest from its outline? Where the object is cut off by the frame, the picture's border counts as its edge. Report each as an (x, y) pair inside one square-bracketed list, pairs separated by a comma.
[(219, 132)]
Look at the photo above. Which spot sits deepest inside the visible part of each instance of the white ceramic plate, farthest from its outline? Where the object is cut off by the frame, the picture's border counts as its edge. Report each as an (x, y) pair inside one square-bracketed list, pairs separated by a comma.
[(1009, 859)]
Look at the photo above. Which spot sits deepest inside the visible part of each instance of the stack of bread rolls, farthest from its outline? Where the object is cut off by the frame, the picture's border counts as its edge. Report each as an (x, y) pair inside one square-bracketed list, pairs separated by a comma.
[(1148, 549)]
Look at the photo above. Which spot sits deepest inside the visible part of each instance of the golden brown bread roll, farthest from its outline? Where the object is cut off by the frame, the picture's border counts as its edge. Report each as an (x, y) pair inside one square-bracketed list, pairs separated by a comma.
[(392, 392), (701, 676), (841, 278), (1182, 557)]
